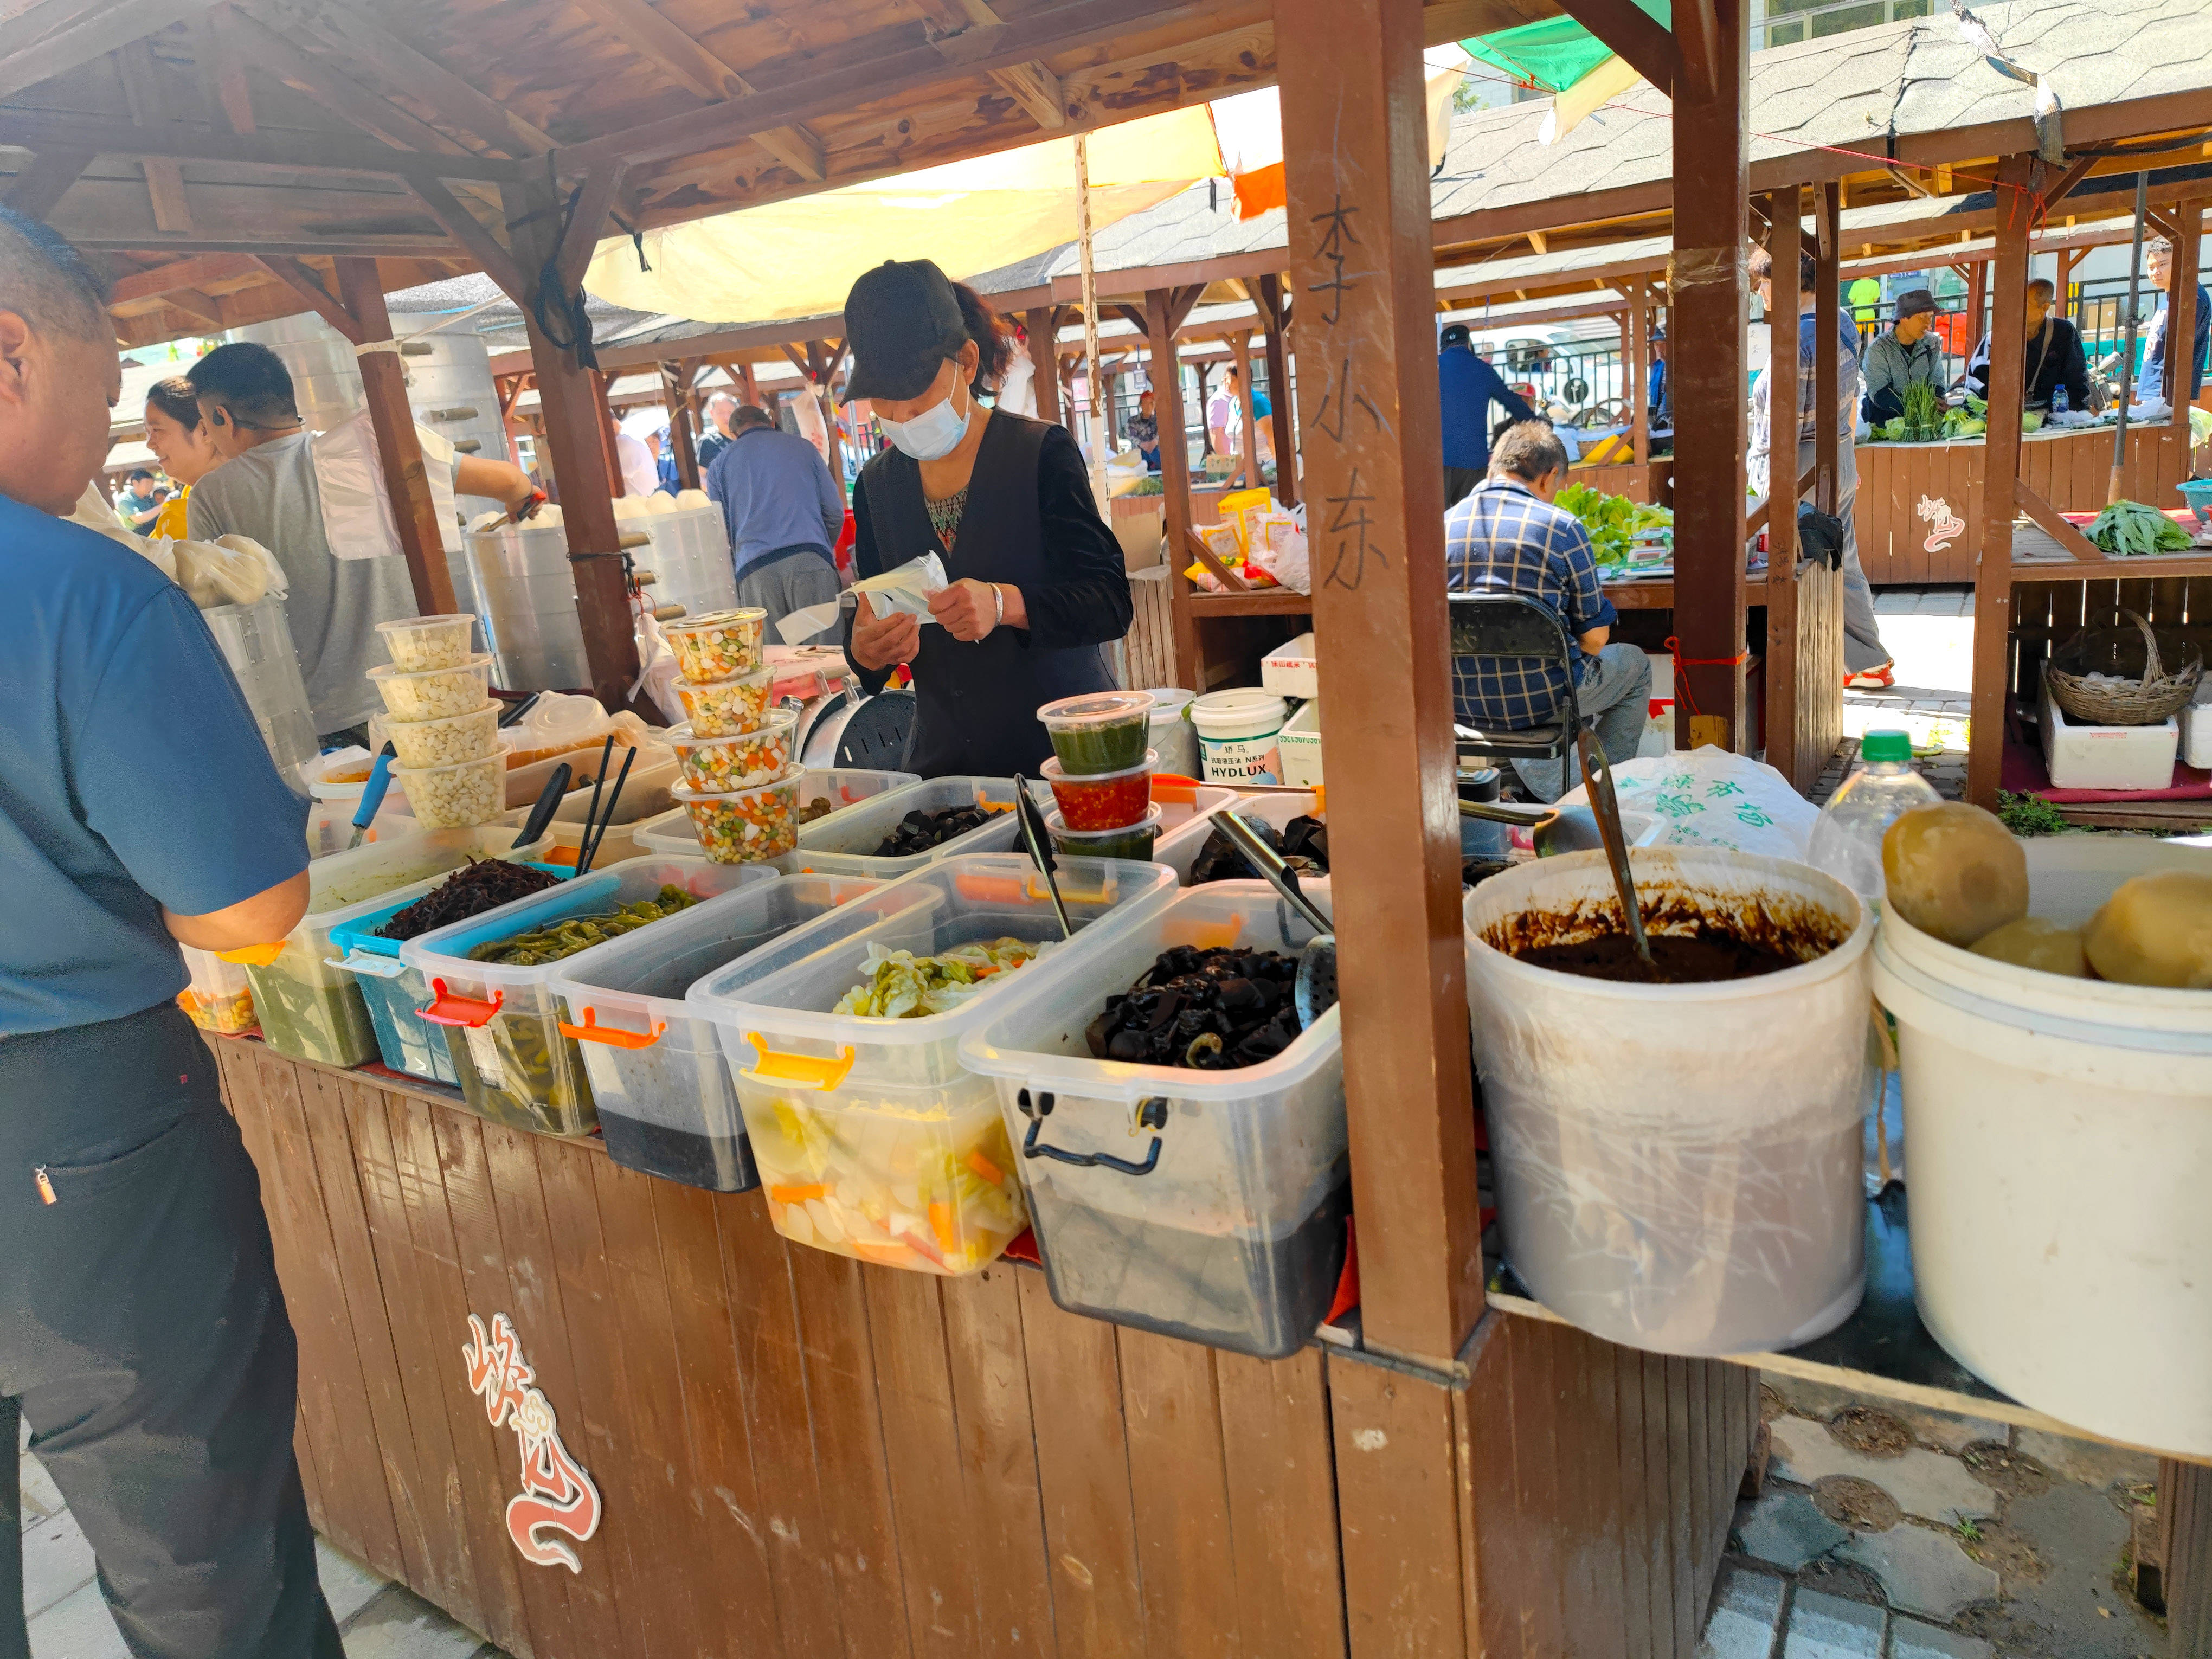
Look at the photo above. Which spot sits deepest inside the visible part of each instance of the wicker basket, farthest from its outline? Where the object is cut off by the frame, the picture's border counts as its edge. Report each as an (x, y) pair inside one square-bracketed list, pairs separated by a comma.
[(2151, 697)]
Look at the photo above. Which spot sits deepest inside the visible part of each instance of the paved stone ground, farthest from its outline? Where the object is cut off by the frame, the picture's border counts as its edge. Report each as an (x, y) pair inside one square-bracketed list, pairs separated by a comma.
[(68, 1619), (1889, 1533), (1931, 633)]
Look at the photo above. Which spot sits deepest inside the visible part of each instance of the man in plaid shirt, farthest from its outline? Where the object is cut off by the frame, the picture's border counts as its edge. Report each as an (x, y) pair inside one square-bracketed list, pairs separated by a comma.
[(1507, 537)]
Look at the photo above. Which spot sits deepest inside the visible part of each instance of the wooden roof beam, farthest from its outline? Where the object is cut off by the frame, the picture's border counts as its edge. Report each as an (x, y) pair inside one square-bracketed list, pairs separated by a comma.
[(1631, 31), (308, 285), (651, 34), (165, 177), (1037, 90), (44, 39), (493, 259), (400, 66), (280, 56), (293, 152), (39, 186), (180, 274)]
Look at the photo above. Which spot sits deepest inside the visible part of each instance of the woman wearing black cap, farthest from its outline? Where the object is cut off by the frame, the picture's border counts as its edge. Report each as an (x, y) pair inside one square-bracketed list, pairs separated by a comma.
[(1037, 589)]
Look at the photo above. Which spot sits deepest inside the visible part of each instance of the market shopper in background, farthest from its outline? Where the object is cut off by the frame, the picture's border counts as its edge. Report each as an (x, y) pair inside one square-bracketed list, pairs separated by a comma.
[(1507, 537), (784, 513), (1467, 386), (266, 488), (1658, 395), (142, 1334), (140, 503), (1144, 430), (2055, 360), (2158, 264), (1908, 353), (179, 438), (1866, 660), (720, 408), (1037, 588), (637, 453)]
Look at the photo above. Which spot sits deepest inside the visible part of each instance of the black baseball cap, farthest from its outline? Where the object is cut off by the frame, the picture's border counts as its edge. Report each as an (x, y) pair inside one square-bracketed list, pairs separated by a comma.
[(902, 320), (1913, 302)]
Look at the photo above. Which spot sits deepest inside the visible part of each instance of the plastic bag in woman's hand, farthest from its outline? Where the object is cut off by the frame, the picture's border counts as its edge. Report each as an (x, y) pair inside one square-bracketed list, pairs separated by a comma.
[(905, 591)]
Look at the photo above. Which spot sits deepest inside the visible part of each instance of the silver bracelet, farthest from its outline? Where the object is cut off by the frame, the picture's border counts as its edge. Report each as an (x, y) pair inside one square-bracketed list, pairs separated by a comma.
[(998, 605)]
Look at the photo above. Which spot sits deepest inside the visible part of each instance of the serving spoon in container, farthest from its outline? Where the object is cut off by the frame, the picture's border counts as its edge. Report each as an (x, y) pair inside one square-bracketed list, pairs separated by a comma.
[(1313, 992)]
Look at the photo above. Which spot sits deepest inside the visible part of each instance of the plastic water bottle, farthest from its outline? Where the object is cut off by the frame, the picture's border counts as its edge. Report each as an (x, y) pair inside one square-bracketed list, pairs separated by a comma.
[(1846, 842), (2058, 400)]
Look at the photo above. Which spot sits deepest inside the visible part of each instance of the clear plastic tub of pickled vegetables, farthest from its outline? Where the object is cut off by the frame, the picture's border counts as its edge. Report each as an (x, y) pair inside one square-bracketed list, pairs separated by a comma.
[(871, 1139), (490, 979), (899, 831), (666, 1103), (311, 1010), (823, 790), (218, 999), (1199, 1188)]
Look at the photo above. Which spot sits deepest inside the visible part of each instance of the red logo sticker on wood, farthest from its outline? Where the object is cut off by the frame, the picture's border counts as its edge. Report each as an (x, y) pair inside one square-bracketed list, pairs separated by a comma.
[(1944, 528), (557, 1494)]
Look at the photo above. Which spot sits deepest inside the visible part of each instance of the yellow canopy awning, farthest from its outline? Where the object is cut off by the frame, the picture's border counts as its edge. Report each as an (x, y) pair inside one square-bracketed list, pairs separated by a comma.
[(799, 258)]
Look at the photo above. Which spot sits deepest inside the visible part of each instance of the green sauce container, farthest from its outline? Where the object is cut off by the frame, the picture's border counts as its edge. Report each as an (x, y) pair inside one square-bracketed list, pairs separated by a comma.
[(1099, 731)]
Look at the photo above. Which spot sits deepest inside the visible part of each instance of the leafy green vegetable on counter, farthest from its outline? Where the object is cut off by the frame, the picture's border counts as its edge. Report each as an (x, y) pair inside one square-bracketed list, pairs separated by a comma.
[(574, 933), (2128, 528), (1614, 522), (2030, 815)]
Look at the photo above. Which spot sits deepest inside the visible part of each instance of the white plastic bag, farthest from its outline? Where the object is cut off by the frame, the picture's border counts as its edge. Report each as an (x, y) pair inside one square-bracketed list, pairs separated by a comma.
[(357, 516), (1279, 549), (1711, 797), (657, 670), (232, 570), (906, 590)]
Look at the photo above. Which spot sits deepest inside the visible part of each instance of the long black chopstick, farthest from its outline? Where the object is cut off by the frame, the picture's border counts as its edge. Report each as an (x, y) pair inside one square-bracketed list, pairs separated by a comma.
[(614, 799)]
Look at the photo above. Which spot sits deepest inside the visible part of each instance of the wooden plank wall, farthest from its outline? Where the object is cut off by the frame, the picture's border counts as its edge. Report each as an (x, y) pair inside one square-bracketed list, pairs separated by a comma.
[(2074, 474), (2184, 1524), (801, 1456), (2045, 615), (1652, 481)]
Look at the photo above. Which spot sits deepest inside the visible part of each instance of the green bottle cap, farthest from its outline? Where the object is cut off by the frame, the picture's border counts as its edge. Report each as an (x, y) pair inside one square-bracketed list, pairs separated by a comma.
[(1885, 746)]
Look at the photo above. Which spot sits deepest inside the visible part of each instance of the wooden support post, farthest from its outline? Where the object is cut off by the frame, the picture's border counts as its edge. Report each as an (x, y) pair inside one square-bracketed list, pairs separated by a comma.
[(399, 449), (603, 386), (1707, 280), (1165, 371), (1784, 210), (674, 386), (2181, 322), (1828, 341), (2185, 1523), (1043, 326), (1639, 374), (2000, 475), (1240, 353), (821, 365), (1268, 292), (572, 410), (1357, 169)]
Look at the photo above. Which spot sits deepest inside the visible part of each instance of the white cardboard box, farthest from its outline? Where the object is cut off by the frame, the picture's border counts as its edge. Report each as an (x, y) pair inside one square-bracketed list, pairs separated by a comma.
[(1299, 744), (2196, 728), (2106, 756), (1290, 671)]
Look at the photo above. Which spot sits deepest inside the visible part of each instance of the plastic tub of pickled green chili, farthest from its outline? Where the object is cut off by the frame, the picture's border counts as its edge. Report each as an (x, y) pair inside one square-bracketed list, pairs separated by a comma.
[(490, 979), (1099, 731), (1131, 841)]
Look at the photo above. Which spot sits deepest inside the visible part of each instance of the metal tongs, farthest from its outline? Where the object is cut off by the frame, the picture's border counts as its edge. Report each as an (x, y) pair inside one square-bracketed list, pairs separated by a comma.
[(1039, 841), (1315, 990)]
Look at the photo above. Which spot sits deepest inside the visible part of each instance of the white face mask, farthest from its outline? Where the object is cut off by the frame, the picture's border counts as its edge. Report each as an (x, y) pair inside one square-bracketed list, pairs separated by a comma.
[(933, 434)]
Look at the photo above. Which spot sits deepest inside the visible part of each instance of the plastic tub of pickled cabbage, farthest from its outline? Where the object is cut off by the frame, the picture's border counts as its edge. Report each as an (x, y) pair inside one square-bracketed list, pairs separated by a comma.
[(1678, 1164), (2058, 1146)]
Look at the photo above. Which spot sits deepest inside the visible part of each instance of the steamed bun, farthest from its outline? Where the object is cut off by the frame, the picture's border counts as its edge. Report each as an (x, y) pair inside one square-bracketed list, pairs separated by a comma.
[(2155, 930), (2032, 942), (1953, 872)]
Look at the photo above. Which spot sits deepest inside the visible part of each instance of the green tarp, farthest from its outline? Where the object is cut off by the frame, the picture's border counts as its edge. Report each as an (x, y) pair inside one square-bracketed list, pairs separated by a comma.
[(1554, 54)]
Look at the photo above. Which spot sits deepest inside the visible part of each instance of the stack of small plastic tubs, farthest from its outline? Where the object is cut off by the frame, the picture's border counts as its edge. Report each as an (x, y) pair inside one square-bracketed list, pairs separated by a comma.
[(1100, 774), (511, 1044), (665, 1103), (444, 725), (741, 784), (311, 1010), (1209, 1206), (872, 1139)]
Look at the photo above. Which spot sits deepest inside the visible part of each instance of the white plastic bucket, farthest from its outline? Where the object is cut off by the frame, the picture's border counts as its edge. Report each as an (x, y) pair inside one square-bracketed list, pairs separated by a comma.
[(1237, 734), (1172, 733), (2058, 1134), (1678, 1166)]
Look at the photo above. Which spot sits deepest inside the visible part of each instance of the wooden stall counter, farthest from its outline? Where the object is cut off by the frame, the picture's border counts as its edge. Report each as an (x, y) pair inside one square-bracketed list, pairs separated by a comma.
[(787, 1453), (1919, 506)]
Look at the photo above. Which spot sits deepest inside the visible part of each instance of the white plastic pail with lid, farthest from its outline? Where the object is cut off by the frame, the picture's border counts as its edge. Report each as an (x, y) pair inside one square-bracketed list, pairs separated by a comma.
[(1237, 734)]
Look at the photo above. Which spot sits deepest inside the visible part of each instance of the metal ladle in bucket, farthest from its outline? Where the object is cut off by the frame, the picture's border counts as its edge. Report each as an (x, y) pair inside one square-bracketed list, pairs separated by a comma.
[(1597, 779), (1313, 992)]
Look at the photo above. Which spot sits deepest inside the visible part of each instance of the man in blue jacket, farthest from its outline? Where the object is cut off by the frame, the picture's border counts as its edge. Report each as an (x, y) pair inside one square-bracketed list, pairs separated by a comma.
[(2157, 373), (142, 1332), (1468, 387)]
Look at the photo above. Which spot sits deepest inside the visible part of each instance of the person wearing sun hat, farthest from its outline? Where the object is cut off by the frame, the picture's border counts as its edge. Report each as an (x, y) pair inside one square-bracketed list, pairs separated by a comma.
[(1036, 588), (1908, 352)]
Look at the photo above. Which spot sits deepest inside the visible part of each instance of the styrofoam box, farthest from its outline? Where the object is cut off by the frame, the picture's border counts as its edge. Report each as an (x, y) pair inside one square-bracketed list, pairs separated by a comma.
[(2196, 728), (2106, 756), (1290, 670), (1299, 744)]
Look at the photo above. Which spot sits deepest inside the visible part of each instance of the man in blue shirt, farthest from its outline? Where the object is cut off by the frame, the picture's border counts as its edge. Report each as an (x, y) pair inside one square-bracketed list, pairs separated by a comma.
[(1508, 537), (1467, 386), (785, 513), (2158, 261), (141, 1331)]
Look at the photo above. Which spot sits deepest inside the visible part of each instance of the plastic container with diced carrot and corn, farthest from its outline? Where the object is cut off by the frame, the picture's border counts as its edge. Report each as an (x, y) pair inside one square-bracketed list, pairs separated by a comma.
[(871, 1139), (724, 709), (744, 761), (718, 646), (745, 826)]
